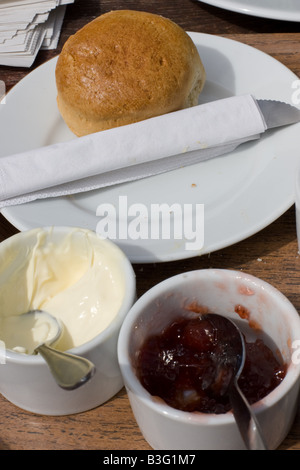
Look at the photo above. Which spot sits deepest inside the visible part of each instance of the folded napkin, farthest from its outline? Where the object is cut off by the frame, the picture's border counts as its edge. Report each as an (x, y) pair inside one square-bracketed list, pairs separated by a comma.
[(130, 152)]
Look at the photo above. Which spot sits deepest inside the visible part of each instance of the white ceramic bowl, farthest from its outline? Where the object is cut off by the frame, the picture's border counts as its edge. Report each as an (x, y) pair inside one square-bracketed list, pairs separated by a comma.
[(26, 381), (220, 291)]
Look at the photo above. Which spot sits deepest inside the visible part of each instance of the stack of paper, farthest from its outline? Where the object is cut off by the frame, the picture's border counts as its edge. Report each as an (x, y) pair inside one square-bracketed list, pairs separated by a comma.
[(26, 26)]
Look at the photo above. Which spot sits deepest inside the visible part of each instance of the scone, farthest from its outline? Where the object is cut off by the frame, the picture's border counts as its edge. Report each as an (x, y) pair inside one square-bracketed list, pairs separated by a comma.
[(126, 66)]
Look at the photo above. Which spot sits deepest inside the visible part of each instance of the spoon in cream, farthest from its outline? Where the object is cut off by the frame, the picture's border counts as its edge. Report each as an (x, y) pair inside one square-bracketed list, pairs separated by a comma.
[(38, 331), (230, 364)]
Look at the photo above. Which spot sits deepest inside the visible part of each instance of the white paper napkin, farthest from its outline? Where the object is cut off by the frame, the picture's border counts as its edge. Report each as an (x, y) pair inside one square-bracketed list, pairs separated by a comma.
[(130, 152)]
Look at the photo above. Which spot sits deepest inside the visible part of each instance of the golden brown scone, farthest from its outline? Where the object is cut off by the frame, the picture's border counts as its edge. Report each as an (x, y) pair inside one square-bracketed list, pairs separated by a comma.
[(123, 67)]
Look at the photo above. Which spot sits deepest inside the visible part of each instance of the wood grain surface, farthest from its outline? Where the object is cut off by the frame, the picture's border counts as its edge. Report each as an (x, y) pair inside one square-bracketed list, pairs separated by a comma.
[(272, 254)]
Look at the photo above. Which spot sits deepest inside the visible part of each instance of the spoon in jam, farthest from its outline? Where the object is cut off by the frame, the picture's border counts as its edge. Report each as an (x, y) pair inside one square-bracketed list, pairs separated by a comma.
[(69, 371), (231, 359)]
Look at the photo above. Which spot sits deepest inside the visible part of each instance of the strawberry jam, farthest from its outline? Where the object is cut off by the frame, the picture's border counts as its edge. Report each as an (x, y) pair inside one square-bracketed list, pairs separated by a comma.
[(180, 365)]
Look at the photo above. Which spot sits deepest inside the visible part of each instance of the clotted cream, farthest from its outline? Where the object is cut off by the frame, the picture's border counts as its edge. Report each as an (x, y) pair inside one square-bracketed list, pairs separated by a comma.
[(76, 279)]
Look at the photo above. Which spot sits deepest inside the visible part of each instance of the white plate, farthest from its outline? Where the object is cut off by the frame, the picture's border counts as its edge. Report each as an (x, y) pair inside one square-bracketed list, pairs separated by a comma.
[(242, 192), (285, 10)]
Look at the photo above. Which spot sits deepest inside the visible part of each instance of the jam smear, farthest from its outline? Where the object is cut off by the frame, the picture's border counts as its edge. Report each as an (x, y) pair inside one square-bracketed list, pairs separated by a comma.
[(180, 365)]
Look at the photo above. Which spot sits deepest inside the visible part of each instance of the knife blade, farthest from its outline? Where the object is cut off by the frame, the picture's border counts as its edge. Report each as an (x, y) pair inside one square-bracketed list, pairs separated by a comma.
[(278, 113)]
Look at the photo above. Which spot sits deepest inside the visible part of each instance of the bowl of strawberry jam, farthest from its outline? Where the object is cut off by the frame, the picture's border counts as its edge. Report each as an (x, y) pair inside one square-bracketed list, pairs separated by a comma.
[(169, 354)]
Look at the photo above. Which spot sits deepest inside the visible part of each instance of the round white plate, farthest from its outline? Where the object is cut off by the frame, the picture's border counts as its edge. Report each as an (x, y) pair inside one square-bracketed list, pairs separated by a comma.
[(285, 10), (242, 192)]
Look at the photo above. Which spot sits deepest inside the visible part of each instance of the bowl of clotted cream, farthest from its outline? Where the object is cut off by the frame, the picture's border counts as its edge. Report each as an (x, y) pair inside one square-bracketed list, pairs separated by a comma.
[(88, 284)]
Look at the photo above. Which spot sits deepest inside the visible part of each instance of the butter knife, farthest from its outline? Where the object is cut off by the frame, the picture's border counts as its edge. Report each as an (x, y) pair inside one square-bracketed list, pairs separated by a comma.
[(278, 113)]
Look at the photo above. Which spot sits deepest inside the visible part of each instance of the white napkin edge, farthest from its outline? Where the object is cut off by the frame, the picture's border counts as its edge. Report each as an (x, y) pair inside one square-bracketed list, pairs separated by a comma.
[(107, 179), (128, 173)]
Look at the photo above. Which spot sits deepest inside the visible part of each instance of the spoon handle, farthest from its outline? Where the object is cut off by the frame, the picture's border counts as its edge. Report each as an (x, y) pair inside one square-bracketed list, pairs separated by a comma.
[(68, 370), (246, 420)]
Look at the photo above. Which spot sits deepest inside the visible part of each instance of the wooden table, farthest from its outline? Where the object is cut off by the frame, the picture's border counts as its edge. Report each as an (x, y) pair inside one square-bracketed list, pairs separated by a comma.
[(271, 254)]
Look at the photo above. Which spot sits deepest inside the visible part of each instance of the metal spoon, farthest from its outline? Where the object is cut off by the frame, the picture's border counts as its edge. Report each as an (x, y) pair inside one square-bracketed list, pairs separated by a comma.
[(232, 358), (69, 371)]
